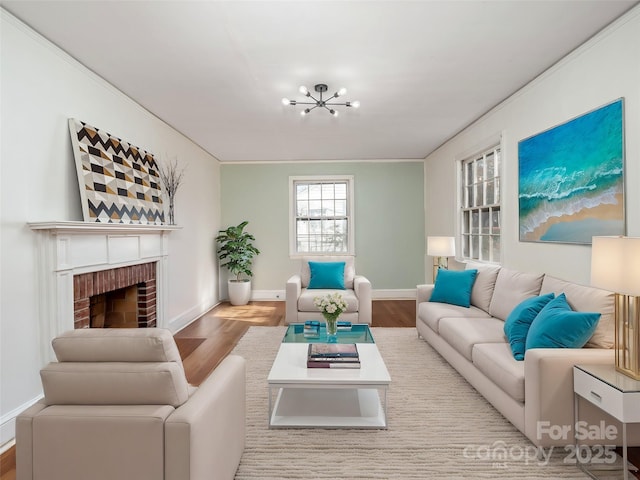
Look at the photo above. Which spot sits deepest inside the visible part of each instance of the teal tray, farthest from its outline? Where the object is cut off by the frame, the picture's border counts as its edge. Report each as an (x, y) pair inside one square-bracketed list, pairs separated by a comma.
[(359, 333)]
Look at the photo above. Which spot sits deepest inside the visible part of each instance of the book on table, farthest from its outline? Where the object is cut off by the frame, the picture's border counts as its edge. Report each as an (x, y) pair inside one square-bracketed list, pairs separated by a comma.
[(333, 364), (311, 329), (343, 326), (333, 350), (333, 355)]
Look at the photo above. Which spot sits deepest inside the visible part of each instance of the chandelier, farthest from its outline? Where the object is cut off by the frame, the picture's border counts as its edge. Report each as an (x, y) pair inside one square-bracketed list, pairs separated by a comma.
[(320, 102)]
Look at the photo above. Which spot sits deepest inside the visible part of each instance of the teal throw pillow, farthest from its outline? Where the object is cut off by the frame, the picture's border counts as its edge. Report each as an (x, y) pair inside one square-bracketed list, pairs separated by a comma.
[(558, 326), (517, 324), (327, 275), (454, 287)]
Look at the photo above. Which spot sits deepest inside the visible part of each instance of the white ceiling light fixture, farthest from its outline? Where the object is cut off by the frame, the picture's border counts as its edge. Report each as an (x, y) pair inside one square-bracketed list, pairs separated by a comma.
[(320, 102)]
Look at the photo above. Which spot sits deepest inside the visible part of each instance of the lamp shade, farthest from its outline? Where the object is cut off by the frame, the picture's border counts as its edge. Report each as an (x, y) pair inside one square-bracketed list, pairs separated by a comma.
[(615, 264), (441, 246)]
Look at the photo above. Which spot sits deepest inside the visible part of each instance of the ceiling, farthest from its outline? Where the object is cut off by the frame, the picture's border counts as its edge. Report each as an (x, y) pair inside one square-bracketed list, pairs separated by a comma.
[(217, 70)]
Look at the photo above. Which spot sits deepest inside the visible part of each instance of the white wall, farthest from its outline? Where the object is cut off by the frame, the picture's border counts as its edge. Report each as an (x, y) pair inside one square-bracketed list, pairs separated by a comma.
[(41, 88), (602, 70)]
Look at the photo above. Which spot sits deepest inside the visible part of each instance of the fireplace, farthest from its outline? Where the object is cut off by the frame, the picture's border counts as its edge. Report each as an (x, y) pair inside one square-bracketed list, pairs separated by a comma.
[(122, 297), (77, 260)]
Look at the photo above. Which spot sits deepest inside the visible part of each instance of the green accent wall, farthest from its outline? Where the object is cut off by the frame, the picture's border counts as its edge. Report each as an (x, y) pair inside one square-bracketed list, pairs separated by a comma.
[(389, 218)]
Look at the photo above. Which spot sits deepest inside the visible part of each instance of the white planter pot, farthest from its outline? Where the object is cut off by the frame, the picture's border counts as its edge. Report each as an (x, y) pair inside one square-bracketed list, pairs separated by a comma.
[(239, 292)]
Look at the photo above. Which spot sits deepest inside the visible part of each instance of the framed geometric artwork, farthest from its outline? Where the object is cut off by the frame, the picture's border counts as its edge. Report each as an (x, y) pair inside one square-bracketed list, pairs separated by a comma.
[(119, 182), (571, 179)]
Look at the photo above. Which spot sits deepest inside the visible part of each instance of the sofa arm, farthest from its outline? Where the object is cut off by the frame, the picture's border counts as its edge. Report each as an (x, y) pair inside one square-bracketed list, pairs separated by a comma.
[(362, 289), (205, 437), (24, 440), (548, 374), (291, 294), (423, 294)]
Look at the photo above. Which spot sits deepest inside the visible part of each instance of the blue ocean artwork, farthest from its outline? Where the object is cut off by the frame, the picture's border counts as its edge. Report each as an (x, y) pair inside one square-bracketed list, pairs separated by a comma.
[(571, 185)]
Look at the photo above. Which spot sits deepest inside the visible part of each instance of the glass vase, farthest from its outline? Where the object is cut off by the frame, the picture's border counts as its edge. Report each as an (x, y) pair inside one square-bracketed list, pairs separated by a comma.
[(171, 212), (332, 325)]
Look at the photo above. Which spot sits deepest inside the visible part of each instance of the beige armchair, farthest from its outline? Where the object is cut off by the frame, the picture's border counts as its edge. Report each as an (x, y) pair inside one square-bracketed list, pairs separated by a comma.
[(117, 405), (299, 298)]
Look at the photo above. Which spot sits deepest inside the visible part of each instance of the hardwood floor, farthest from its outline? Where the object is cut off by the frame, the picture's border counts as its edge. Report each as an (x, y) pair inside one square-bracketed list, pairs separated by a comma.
[(205, 342)]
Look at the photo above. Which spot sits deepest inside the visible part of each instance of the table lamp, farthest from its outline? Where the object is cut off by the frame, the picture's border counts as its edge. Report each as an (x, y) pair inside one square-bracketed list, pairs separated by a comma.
[(440, 248), (615, 266)]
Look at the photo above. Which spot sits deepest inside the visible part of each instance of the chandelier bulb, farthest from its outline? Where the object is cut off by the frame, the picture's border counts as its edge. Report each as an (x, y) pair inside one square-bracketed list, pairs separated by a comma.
[(342, 91), (304, 112), (286, 101), (333, 112), (303, 90), (355, 104)]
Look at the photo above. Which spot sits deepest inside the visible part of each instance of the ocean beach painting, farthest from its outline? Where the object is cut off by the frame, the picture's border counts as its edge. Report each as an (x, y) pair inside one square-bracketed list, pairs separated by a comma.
[(570, 179)]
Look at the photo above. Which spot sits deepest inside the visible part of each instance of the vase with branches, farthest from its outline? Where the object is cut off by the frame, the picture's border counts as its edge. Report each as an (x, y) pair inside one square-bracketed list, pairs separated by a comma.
[(171, 177)]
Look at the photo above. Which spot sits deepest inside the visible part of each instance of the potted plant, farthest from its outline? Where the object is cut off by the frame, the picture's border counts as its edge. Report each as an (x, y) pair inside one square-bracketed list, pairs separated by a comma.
[(236, 251)]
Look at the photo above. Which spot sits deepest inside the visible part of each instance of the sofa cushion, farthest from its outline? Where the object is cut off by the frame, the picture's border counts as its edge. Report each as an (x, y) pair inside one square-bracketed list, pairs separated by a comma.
[(326, 275), (114, 383), (431, 313), (349, 267), (512, 287), (116, 345), (463, 333), (454, 287), (497, 363), (587, 299), (558, 326), (482, 290), (517, 324), (305, 300)]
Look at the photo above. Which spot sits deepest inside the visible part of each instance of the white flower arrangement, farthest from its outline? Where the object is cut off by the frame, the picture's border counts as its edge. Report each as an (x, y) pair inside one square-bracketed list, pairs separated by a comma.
[(331, 305)]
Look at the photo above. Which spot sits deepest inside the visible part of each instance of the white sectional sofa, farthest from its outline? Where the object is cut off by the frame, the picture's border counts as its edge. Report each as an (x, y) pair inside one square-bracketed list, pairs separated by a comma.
[(535, 394)]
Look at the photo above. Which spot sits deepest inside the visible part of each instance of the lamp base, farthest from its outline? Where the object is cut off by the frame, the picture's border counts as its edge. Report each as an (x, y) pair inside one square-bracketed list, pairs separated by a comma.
[(628, 373), (438, 263), (627, 335)]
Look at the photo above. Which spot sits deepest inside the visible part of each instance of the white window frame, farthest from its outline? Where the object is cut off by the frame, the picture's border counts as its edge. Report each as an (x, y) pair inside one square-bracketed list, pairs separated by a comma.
[(480, 208), (349, 179)]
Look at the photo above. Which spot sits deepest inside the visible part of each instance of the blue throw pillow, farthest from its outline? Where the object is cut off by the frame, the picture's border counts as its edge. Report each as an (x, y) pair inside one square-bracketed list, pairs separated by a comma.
[(454, 287), (517, 324), (327, 275), (558, 326)]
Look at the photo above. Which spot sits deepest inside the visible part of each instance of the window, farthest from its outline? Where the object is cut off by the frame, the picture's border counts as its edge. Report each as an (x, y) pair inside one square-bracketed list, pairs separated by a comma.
[(322, 215), (480, 212)]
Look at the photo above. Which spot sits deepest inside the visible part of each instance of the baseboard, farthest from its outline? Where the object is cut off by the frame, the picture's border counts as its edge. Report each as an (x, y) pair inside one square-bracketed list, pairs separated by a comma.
[(267, 295), (390, 294), (394, 294), (189, 316)]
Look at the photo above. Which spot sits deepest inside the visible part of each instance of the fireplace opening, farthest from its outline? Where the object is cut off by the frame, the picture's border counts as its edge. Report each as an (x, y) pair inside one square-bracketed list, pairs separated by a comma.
[(122, 297), (115, 309)]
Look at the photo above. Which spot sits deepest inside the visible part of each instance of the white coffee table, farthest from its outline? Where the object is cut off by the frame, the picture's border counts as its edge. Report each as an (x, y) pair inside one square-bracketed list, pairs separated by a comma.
[(327, 397)]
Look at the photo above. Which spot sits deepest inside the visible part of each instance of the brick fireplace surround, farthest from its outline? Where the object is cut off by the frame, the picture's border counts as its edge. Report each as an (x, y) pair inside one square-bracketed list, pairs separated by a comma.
[(86, 285), (78, 259)]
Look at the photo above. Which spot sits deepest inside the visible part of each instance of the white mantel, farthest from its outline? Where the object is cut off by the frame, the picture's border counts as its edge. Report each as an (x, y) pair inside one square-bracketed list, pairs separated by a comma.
[(66, 249)]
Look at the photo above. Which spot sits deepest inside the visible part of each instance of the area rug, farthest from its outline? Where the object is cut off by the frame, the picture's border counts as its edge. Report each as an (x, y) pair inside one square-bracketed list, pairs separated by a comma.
[(439, 426)]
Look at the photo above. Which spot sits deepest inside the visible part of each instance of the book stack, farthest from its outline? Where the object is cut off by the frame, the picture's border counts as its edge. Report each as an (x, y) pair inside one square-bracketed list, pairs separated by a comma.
[(311, 329), (344, 326), (333, 355)]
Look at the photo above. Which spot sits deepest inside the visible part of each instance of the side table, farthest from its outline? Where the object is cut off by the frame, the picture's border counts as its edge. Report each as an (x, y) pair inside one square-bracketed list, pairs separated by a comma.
[(612, 392)]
